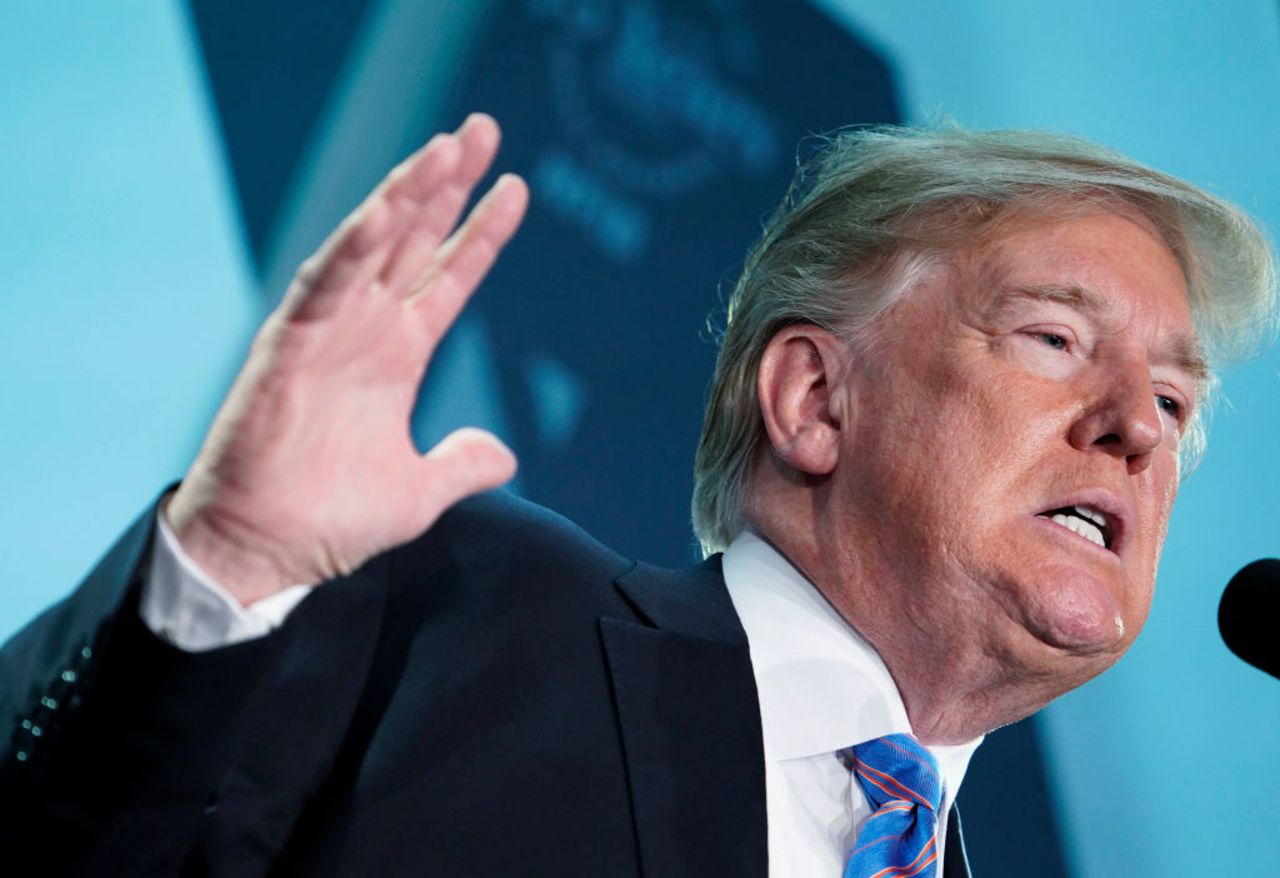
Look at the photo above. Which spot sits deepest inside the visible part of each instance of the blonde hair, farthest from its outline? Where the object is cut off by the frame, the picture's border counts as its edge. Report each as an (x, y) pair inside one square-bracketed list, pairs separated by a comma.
[(875, 208)]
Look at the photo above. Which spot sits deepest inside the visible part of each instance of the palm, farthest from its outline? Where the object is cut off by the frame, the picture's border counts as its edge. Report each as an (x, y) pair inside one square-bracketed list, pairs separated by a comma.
[(310, 467)]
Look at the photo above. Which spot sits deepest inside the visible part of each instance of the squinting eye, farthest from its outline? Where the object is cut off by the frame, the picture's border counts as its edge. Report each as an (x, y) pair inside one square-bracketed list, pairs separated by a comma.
[(1169, 406), (1053, 340)]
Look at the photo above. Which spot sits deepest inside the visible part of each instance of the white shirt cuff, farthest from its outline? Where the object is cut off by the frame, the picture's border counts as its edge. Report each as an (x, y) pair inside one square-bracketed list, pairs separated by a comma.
[(181, 604)]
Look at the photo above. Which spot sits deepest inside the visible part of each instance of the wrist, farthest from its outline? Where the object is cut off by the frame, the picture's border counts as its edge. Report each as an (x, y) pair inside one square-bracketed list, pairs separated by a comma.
[(229, 552)]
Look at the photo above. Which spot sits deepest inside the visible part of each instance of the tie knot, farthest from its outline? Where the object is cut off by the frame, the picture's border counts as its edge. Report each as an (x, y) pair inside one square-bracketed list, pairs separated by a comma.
[(897, 767)]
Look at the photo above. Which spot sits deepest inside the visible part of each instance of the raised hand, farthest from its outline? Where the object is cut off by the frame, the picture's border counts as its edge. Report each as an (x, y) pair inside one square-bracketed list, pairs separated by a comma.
[(310, 468)]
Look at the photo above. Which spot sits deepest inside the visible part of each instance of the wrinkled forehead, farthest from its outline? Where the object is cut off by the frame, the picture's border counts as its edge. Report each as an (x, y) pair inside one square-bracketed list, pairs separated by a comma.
[(1113, 266), (1046, 237)]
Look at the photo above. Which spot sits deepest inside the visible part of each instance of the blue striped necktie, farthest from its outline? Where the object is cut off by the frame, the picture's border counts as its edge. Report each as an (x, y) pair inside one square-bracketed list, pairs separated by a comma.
[(900, 838)]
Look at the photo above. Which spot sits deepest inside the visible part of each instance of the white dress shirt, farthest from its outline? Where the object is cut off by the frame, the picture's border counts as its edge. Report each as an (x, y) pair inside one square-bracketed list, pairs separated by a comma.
[(822, 689), (182, 604)]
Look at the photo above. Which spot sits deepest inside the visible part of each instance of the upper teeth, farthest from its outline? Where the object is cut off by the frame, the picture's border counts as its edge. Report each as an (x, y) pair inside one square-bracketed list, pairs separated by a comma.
[(1087, 522), (1091, 514)]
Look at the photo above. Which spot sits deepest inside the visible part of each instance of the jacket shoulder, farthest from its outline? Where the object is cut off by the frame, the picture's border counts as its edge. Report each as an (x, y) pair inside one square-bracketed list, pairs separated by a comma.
[(501, 536)]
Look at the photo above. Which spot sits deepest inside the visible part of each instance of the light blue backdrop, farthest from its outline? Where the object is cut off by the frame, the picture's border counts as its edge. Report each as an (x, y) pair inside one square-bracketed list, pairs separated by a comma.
[(129, 298)]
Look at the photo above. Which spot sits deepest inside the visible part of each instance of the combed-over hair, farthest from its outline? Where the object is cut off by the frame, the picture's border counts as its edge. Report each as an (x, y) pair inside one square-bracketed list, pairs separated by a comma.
[(876, 208)]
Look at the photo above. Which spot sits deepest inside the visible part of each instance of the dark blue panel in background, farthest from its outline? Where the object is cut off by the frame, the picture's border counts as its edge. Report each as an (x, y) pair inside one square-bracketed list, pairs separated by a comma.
[(655, 135), (271, 67)]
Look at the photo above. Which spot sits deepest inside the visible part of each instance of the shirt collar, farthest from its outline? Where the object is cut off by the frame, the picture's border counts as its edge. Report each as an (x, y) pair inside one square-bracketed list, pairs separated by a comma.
[(822, 687)]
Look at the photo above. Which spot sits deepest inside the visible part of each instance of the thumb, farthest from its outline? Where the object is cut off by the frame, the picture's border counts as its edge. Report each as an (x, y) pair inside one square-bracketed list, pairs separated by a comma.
[(465, 462)]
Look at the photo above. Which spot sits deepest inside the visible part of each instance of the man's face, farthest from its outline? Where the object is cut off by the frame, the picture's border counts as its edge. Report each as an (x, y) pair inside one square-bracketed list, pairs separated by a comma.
[(1012, 454)]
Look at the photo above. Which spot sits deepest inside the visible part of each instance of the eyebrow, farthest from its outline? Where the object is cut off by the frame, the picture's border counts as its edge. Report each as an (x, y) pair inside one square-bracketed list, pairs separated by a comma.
[(1182, 349)]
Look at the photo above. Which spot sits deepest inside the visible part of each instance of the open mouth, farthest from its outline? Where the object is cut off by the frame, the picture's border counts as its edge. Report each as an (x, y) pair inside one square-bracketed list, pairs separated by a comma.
[(1086, 521)]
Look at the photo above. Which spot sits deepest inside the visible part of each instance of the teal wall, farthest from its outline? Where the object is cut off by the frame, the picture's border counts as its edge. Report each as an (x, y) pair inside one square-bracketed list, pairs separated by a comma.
[(129, 295), (127, 299)]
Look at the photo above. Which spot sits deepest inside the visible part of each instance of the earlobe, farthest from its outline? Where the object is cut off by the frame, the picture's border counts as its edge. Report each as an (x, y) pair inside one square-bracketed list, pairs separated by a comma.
[(799, 384)]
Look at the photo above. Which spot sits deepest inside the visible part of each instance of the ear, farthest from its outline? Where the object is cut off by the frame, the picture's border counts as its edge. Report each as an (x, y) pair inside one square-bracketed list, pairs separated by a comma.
[(801, 374)]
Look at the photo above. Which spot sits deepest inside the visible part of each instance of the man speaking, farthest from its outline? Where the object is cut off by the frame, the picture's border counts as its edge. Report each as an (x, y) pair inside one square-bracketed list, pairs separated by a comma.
[(962, 376)]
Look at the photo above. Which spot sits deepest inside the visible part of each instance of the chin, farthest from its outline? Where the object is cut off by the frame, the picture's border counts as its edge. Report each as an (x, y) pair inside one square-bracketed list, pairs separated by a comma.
[(1076, 612), (1068, 604)]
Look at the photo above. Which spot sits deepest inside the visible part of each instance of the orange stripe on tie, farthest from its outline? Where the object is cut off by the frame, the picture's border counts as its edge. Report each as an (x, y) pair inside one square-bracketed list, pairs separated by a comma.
[(932, 857), (914, 757), (871, 844), (891, 795), (868, 770), (901, 871), (885, 812)]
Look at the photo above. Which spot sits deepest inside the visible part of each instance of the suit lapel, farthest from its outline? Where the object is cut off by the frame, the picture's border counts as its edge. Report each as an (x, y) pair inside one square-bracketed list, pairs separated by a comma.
[(690, 720), (955, 863)]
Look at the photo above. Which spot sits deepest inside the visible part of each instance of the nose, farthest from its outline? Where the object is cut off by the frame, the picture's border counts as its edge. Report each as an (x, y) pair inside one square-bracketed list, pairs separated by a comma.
[(1121, 419)]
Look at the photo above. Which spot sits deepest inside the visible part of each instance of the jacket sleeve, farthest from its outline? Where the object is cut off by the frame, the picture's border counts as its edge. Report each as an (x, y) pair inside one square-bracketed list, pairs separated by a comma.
[(112, 741)]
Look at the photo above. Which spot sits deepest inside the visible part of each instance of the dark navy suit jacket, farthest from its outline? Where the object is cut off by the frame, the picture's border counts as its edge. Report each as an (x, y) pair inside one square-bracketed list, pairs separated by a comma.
[(503, 696)]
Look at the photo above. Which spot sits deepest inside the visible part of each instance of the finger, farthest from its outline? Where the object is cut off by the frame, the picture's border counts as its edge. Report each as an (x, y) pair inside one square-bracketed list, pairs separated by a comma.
[(462, 261), (466, 462), (477, 138), (357, 251), (437, 212), (480, 137)]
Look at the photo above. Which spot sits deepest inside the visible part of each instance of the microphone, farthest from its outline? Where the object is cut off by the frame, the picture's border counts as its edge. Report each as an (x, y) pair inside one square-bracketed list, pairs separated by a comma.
[(1249, 615)]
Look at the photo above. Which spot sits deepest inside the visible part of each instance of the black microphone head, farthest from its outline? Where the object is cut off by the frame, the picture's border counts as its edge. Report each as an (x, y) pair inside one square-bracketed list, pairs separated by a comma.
[(1249, 615)]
